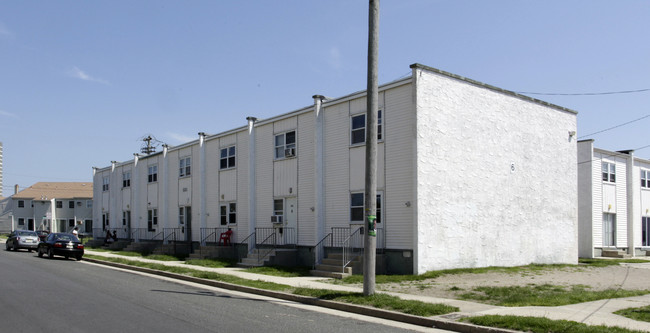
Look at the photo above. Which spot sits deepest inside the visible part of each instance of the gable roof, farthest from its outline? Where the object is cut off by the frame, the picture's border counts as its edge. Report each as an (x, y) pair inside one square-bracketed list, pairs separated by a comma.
[(56, 190)]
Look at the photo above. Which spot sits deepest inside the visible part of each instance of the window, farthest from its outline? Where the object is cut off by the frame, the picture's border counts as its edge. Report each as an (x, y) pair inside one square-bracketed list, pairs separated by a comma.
[(153, 173), (181, 215), (71, 204), (89, 204), (609, 229), (645, 179), (358, 134), (278, 207), (357, 207), (21, 221), (152, 219), (358, 128), (21, 203), (59, 204), (228, 213), (645, 231), (71, 223), (126, 218), (126, 179), (185, 167), (105, 181), (609, 172), (285, 145), (227, 159)]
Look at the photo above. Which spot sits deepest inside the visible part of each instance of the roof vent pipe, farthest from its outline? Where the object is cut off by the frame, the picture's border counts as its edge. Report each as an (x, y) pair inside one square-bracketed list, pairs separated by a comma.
[(16, 189)]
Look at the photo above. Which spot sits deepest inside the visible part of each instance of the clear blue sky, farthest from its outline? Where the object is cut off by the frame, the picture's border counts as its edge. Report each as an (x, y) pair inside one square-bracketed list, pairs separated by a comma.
[(81, 82)]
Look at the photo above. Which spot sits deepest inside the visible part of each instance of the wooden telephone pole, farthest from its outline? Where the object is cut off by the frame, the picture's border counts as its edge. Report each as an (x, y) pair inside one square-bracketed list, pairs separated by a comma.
[(370, 239)]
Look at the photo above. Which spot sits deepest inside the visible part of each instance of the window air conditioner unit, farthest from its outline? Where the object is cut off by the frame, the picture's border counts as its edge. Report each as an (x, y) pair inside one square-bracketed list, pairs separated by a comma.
[(276, 218), (290, 152)]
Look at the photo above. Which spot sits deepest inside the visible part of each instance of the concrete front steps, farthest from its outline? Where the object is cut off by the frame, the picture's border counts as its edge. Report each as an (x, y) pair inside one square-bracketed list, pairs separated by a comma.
[(181, 249), (142, 247), (615, 253), (252, 259), (331, 267), (213, 251)]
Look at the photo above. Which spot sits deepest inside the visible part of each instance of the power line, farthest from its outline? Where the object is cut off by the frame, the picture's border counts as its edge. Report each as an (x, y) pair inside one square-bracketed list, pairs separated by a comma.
[(585, 94), (617, 126)]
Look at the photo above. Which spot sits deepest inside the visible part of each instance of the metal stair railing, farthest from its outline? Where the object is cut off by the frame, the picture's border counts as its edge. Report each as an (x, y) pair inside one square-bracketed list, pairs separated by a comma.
[(210, 234), (351, 247), (250, 246), (260, 256), (319, 249)]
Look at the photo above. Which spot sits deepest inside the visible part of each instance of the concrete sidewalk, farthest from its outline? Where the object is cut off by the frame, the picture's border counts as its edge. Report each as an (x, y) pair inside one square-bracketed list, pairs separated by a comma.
[(591, 313)]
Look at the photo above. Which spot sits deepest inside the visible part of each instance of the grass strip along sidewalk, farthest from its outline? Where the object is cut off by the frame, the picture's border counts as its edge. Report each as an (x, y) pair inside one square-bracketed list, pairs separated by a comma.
[(380, 301), (543, 325)]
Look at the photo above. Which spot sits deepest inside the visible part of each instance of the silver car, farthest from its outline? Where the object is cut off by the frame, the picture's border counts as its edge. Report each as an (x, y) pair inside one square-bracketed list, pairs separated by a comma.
[(22, 239)]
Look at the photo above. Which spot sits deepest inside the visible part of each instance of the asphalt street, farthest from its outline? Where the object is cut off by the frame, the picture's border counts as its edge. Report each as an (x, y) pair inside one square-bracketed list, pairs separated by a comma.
[(59, 295)]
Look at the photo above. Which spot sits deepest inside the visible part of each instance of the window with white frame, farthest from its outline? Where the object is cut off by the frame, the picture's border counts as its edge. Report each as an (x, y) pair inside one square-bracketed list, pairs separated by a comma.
[(278, 211), (228, 213), (71, 204), (185, 167), (358, 128), (21, 203), (152, 173), (105, 181), (227, 159), (285, 145), (126, 218), (357, 207), (59, 204), (126, 179), (89, 204), (152, 219), (21, 221), (609, 172), (645, 178)]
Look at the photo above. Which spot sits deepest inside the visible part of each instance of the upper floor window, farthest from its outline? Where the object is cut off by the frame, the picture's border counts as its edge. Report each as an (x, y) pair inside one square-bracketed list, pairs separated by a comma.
[(21, 203), (645, 179), (89, 204), (71, 204), (227, 159), (185, 167), (609, 172), (105, 181), (126, 179), (357, 207), (358, 128), (285, 145), (59, 204), (152, 173)]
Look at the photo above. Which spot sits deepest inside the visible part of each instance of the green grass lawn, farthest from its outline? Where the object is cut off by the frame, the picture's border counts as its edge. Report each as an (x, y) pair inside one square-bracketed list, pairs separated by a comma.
[(544, 295), (641, 314), (542, 325), (378, 300)]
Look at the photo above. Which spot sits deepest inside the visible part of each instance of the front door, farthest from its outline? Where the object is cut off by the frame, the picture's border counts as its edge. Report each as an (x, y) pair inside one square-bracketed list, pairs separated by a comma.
[(609, 230), (291, 218), (186, 221), (30, 224)]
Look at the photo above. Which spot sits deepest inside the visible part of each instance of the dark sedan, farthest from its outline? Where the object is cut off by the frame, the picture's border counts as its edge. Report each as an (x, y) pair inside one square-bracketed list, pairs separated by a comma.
[(61, 244)]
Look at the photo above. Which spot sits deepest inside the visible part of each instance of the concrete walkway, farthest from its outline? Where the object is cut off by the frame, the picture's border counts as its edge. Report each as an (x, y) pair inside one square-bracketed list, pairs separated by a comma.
[(591, 313)]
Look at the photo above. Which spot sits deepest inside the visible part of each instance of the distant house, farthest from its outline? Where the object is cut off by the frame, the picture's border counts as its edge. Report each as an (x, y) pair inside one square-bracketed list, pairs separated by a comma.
[(614, 202), (52, 206), (469, 175)]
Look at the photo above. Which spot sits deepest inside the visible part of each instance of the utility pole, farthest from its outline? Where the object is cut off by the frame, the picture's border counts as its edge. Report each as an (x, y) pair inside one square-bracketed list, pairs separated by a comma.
[(370, 239)]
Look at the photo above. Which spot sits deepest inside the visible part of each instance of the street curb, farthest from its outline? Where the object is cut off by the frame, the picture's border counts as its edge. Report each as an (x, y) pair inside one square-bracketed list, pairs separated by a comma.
[(347, 307)]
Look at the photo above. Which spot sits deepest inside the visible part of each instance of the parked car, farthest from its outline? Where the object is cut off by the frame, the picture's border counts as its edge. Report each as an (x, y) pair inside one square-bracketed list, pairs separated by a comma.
[(42, 234), (22, 239), (61, 244)]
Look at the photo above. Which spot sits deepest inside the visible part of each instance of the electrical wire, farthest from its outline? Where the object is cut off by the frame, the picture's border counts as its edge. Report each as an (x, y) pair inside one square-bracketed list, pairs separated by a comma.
[(585, 94), (617, 126)]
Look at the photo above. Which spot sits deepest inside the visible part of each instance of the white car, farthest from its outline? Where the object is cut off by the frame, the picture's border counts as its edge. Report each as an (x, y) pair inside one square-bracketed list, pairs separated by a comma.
[(22, 239)]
